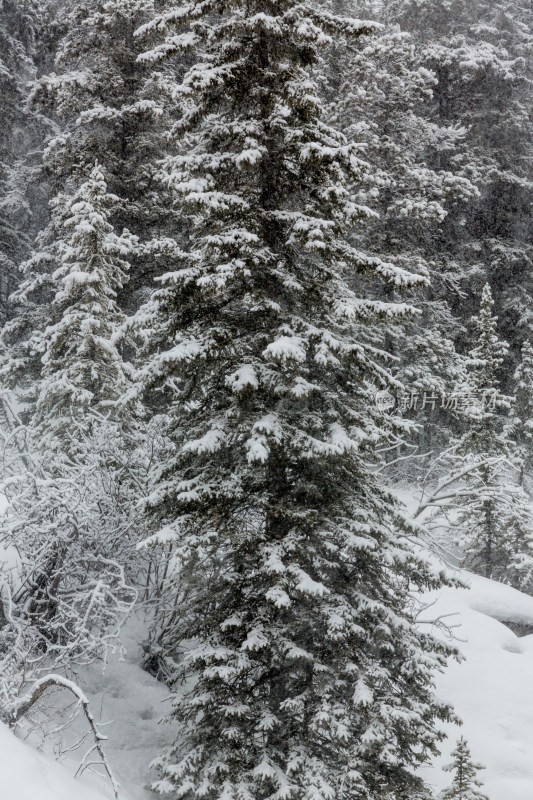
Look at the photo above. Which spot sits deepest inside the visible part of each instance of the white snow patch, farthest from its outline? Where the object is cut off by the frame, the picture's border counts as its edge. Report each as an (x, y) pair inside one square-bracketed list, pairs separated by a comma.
[(243, 378), (492, 689), (128, 705), (286, 348), (26, 774), (166, 535)]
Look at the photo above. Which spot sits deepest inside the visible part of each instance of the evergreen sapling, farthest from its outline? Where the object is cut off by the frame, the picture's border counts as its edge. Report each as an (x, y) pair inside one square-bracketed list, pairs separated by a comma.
[(465, 784)]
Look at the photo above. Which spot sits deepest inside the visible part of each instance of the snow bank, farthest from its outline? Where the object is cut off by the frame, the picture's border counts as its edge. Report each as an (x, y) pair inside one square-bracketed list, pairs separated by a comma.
[(492, 689), (26, 774), (497, 600), (128, 705)]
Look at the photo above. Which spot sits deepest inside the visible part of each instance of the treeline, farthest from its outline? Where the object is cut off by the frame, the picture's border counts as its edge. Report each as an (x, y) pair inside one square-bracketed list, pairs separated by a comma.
[(234, 237)]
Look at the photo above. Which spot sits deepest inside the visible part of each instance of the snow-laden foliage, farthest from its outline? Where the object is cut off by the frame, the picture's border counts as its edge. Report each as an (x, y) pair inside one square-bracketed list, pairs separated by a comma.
[(291, 567), (465, 784), (480, 53), (110, 113), (493, 526), (67, 594), (19, 22), (321, 189), (522, 416), (76, 463), (67, 307), (72, 480), (379, 94), (82, 367)]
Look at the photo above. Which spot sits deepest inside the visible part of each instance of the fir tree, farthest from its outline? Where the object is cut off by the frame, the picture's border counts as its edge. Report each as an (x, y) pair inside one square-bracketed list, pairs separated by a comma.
[(19, 133), (465, 785), (291, 566), (111, 112), (72, 503), (108, 111), (493, 524), (83, 372), (522, 427), (484, 363)]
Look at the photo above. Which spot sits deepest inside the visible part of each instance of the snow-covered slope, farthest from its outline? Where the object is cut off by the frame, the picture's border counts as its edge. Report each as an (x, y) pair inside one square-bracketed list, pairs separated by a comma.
[(134, 704), (128, 704), (26, 774), (492, 689)]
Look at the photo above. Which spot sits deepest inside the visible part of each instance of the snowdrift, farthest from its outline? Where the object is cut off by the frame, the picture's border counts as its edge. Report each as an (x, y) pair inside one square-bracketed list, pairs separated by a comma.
[(26, 774), (492, 689)]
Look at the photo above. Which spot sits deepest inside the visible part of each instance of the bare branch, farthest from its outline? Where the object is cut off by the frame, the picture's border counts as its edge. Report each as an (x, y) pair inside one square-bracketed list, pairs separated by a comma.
[(25, 704)]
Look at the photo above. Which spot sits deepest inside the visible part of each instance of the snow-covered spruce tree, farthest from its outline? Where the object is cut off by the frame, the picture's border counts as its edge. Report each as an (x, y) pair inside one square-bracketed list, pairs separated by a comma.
[(379, 92), (308, 676), (493, 527), (111, 112), (480, 52), (19, 22), (72, 505), (522, 422), (83, 374), (465, 784)]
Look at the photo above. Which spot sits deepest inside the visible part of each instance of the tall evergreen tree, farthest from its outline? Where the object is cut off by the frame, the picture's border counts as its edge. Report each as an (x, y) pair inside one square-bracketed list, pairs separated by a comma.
[(83, 373), (522, 429), (110, 112), (72, 502), (308, 675), (465, 785), (494, 522), (19, 133)]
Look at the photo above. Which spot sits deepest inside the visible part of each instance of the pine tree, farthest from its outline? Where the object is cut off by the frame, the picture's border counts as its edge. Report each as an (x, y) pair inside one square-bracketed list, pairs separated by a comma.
[(108, 110), (308, 677), (522, 426), (72, 503), (465, 785), (111, 112), (74, 510), (494, 522), (83, 372), (19, 133), (484, 363)]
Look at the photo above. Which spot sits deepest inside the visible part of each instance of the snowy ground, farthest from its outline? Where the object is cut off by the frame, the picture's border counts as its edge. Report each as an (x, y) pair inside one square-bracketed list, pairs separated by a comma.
[(26, 774), (129, 705), (136, 705), (492, 689)]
